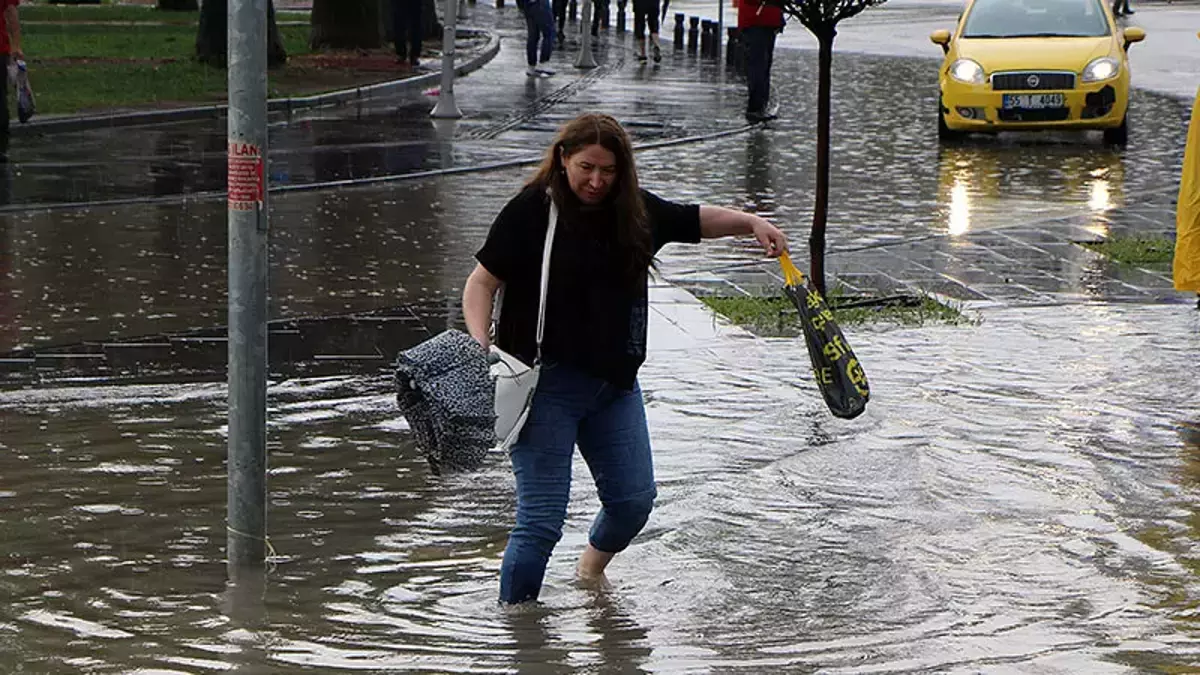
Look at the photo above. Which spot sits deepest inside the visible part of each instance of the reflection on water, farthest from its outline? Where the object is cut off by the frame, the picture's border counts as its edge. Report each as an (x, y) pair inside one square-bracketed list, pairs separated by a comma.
[(986, 513), (985, 184), (960, 208)]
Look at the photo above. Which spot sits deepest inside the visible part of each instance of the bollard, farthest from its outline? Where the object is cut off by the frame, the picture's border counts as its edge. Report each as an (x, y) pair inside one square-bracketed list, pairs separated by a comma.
[(679, 19), (693, 33), (732, 45), (447, 107), (574, 11), (621, 15), (462, 10), (586, 59), (708, 30), (499, 4)]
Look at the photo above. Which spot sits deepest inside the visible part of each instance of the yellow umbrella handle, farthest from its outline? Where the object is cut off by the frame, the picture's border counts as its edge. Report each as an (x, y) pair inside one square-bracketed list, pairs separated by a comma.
[(791, 275)]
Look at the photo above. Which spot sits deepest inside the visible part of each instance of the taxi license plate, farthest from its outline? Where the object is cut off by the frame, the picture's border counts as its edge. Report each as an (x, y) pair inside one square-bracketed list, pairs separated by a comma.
[(1033, 101)]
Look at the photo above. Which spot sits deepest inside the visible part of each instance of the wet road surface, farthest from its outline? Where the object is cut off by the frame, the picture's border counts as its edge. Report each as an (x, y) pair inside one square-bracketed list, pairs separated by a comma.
[(1022, 494)]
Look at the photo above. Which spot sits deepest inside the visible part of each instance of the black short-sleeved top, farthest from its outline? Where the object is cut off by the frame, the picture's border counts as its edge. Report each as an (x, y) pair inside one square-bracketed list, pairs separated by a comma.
[(595, 318)]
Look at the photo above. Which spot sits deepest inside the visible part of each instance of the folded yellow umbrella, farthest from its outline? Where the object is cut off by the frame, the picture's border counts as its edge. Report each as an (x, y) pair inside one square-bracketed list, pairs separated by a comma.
[(838, 373)]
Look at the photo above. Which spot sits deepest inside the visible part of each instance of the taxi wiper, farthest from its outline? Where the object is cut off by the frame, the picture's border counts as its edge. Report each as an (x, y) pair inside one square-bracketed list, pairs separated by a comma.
[(1019, 35)]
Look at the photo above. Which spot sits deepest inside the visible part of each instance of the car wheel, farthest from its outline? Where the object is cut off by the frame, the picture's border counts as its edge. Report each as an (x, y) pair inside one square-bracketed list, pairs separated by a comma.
[(1118, 135), (945, 133)]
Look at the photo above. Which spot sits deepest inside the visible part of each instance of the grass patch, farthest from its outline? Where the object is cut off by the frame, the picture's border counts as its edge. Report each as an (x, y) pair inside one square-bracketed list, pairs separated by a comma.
[(776, 316), (77, 68), (93, 41), (126, 13), (67, 13), (1135, 250)]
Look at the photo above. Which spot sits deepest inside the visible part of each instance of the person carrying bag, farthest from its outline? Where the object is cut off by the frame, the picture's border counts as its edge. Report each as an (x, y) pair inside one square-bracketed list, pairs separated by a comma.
[(592, 339)]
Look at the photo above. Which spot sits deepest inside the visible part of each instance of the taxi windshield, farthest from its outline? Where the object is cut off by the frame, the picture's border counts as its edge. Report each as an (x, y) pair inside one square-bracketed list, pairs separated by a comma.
[(1035, 18)]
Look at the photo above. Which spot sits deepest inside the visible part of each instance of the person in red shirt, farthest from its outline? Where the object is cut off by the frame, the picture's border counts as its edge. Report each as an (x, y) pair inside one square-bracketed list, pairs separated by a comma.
[(758, 23), (10, 49)]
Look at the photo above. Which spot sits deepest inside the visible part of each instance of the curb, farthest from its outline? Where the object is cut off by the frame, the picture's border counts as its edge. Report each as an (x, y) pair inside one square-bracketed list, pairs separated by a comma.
[(285, 105)]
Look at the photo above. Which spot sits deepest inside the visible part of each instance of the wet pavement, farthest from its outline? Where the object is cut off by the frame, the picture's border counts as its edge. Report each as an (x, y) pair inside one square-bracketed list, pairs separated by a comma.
[(1021, 496), (904, 211)]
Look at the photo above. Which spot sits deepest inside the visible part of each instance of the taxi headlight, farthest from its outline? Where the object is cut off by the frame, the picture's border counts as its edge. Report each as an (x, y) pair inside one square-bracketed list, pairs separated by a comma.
[(1101, 69), (966, 70)]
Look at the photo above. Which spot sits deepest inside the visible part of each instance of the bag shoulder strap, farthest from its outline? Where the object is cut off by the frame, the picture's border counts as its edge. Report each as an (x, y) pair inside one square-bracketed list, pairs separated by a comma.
[(546, 249)]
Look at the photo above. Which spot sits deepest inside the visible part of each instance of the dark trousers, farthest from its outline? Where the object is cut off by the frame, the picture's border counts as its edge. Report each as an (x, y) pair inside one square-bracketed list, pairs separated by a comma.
[(406, 22), (599, 14), (4, 109), (645, 15), (760, 53), (539, 21), (560, 13), (1120, 5)]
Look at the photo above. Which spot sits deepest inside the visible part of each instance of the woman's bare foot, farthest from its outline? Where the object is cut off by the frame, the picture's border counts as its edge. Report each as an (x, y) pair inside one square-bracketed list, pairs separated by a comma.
[(592, 564)]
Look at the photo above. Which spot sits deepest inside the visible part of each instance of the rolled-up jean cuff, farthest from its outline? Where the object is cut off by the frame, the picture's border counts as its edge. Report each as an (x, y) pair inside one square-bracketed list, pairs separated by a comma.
[(617, 524)]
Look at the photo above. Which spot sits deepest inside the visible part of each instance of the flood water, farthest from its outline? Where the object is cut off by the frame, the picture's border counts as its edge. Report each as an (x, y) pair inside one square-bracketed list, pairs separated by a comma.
[(1023, 495)]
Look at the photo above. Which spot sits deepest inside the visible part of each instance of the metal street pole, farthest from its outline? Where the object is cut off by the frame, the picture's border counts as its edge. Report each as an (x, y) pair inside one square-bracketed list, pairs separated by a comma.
[(247, 203), (586, 59), (720, 29), (446, 107)]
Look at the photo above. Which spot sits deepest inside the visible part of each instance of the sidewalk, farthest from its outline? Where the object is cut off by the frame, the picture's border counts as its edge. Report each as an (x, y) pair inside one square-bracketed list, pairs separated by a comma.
[(988, 223)]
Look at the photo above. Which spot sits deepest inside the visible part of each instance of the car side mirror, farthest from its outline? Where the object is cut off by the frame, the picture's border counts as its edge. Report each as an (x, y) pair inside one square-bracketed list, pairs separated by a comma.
[(941, 37), (1133, 34)]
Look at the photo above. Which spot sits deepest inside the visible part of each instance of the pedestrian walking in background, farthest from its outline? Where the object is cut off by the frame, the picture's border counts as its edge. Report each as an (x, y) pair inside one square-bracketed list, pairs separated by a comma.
[(10, 50), (539, 45), (406, 26), (600, 10), (605, 238), (759, 23), (560, 15), (645, 17), (1121, 7)]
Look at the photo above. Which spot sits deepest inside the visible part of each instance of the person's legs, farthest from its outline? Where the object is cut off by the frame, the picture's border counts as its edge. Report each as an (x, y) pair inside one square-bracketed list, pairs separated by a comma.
[(547, 34), (533, 33), (639, 28), (414, 27), (599, 10), (759, 42), (560, 14), (616, 445), (541, 460), (4, 58), (652, 26), (399, 16)]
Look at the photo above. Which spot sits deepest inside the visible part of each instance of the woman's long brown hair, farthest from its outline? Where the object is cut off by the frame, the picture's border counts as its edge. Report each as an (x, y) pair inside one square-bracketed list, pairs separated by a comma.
[(632, 222)]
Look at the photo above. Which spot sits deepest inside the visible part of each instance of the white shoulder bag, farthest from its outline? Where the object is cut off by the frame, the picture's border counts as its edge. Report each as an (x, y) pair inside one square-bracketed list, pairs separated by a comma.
[(515, 381)]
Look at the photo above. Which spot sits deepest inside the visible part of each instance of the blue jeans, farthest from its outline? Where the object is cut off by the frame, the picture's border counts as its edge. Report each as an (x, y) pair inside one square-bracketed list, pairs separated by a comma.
[(539, 21), (609, 425)]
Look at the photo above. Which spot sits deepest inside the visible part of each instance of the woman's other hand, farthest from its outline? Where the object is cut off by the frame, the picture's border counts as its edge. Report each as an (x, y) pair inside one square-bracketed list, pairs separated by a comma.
[(771, 238)]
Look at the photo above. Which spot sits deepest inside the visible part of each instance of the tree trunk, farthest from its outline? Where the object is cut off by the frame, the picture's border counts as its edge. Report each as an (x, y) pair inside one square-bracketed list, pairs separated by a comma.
[(346, 24), (816, 239), (211, 36), (179, 5)]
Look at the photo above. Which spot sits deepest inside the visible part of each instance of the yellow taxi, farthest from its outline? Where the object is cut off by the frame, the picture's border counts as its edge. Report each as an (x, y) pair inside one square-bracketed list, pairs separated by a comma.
[(1035, 65)]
